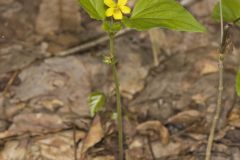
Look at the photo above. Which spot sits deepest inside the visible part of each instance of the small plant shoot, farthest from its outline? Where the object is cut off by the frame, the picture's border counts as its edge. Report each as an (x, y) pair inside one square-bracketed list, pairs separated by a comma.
[(96, 101), (146, 14), (238, 83)]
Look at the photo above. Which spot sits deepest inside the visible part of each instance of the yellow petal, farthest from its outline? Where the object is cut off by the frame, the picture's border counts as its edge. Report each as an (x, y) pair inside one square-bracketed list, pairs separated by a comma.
[(109, 3), (122, 2), (117, 14), (109, 12), (125, 9)]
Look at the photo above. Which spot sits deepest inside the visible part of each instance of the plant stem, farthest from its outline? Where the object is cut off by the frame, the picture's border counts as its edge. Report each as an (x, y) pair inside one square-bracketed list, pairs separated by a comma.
[(218, 109), (118, 97), (224, 35)]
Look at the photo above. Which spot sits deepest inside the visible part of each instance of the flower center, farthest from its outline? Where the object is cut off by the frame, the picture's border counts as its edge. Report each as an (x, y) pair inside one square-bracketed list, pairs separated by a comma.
[(116, 9)]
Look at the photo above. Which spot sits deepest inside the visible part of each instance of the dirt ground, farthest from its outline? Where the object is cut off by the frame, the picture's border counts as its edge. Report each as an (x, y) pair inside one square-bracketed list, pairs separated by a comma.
[(51, 59)]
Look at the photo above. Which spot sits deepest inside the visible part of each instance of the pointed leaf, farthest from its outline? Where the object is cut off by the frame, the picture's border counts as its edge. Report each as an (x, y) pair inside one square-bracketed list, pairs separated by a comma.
[(231, 11), (162, 13), (238, 83), (95, 8), (96, 101)]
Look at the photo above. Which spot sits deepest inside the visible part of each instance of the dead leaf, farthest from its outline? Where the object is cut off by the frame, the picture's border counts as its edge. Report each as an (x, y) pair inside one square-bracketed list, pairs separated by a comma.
[(152, 127), (57, 146), (185, 118), (33, 123), (14, 150), (199, 99), (234, 118), (48, 20), (138, 149), (94, 135), (209, 68), (70, 15), (101, 158), (161, 150)]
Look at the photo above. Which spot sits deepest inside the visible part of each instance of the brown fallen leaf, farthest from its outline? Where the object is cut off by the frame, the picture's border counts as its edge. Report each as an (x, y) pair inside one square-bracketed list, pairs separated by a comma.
[(185, 118), (199, 99), (94, 135), (138, 149), (14, 150), (149, 128), (209, 67), (48, 19), (34, 124), (160, 150), (234, 118), (101, 158)]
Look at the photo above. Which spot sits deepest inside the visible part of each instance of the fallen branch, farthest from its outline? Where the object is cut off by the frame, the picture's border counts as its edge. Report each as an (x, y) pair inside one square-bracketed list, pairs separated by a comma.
[(91, 44)]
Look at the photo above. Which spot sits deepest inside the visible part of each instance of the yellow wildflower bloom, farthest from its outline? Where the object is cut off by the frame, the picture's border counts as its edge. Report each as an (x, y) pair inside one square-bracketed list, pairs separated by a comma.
[(116, 9)]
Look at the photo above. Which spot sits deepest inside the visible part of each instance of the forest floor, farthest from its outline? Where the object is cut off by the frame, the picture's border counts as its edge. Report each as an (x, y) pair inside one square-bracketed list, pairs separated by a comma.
[(51, 59)]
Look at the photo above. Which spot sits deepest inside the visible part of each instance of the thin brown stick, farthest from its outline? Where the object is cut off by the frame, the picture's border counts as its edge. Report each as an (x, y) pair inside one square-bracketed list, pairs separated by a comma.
[(75, 142), (220, 90), (150, 148), (10, 82), (91, 44), (218, 110)]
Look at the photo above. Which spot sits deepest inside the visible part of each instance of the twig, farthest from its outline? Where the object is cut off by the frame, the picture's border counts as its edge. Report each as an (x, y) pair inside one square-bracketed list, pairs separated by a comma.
[(150, 147), (74, 142), (91, 44), (10, 82), (222, 50)]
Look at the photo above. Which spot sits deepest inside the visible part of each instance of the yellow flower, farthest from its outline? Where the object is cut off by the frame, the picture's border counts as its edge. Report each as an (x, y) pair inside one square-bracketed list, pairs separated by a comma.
[(116, 9)]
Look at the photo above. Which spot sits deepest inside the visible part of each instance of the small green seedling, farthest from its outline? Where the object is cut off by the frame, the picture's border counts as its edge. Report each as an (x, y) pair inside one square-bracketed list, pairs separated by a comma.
[(146, 14), (238, 83), (96, 101)]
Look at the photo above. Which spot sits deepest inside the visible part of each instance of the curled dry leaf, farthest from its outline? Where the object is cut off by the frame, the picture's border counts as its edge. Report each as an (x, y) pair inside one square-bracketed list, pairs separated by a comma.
[(151, 127), (185, 118), (94, 135)]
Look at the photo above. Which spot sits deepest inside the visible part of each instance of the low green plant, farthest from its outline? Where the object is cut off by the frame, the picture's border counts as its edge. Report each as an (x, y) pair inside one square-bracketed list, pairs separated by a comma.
[(238, 83), (227, 11), (146, 14)]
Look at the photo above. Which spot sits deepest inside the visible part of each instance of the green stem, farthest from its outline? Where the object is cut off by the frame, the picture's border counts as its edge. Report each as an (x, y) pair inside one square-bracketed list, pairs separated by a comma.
[(218, 110), (224, 36), (118, 97)]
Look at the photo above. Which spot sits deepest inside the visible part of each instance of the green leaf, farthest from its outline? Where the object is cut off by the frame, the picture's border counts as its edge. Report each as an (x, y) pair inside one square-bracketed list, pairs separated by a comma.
[(231, 11), (111, 27), (96, 101), (95, 8), (162, 13), (238, 83)]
